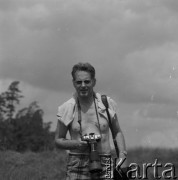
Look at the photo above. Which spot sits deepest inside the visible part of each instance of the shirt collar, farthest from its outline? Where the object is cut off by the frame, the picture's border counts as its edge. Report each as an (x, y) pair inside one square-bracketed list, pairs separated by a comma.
[(98, 99), (99, 102)]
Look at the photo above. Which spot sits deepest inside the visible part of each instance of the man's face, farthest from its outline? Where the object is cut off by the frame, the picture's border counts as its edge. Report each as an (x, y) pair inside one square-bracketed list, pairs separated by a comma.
[(83, 83)]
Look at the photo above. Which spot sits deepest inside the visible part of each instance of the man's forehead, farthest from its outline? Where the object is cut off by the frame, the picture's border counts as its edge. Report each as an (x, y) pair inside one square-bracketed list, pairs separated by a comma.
[(82, 75)]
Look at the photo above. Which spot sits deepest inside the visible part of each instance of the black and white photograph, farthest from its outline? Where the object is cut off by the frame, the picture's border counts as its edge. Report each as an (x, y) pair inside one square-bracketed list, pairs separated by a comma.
[(57, 60)]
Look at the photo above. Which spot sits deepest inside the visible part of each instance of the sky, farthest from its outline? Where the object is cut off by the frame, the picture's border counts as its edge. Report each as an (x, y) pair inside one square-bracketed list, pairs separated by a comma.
[(133, 46)]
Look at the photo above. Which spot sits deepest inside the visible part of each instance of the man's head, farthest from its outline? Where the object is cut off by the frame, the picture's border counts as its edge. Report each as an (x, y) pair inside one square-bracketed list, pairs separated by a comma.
[(83, 67), (83, 79)]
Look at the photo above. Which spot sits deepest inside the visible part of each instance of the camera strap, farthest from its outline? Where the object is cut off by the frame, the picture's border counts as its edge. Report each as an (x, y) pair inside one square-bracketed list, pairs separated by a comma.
[(105, 102), (80, 117)]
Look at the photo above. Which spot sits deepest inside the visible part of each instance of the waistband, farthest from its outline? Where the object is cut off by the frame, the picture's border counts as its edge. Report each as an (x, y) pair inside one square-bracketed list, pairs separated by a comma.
[(87, 154)]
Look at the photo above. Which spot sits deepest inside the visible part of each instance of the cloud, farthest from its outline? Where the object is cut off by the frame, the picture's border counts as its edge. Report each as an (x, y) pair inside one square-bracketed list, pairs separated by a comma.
[(42, 37), (150, 75), (132, 44), (140, 120)]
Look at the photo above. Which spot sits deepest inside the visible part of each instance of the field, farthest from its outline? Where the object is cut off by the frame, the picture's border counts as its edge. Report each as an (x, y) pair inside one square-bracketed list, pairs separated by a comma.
[(50, 165), (161, 159), (32, 166)]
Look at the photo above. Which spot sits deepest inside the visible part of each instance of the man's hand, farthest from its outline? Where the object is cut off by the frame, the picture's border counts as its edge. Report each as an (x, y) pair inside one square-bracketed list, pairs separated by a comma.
[(121, 167), (82, 145), (121, 162)]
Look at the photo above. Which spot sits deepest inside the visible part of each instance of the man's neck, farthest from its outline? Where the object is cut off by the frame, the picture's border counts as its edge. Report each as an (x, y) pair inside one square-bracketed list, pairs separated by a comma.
[(86, 101)]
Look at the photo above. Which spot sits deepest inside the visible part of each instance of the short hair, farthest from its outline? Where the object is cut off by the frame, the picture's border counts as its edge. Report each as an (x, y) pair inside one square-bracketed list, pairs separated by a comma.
[(83, 67)]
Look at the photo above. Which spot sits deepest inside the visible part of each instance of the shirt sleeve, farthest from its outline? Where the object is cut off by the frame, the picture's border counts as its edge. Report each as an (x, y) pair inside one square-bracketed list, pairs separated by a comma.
[(65, 113), (113, 105), (113, 108)]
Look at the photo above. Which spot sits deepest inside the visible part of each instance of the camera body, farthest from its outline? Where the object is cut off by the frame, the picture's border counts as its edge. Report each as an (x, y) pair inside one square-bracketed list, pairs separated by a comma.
[(95, 164), (91, 137)]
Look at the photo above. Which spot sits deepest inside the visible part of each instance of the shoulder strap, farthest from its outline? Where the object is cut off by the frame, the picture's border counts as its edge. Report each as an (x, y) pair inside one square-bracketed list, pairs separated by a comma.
[(105, 102)]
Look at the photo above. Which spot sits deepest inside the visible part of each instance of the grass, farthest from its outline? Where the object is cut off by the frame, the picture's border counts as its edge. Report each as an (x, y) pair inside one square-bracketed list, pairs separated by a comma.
[(32, 166), (50, 165), (143, 156)]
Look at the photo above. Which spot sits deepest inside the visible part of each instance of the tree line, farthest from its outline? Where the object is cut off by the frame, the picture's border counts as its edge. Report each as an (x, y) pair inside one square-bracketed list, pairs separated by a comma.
[(24, 129)]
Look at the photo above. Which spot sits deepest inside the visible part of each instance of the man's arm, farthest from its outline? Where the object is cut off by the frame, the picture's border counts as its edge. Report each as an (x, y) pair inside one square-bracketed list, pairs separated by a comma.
[(118, 135), (63, 143)]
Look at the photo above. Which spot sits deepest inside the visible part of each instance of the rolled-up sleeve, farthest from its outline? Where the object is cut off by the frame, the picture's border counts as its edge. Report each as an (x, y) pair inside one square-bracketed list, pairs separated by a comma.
[(113, 108), (113, 105), (66, 113)]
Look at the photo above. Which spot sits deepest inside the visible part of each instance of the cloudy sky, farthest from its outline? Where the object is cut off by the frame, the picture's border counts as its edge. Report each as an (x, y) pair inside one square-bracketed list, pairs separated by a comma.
[(132, 44)]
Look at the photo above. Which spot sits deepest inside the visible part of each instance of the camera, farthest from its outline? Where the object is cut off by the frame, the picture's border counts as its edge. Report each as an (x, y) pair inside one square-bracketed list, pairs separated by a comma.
[(95, 164)]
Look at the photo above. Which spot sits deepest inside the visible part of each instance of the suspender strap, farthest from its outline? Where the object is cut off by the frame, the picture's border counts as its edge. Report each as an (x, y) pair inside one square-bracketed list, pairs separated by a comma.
[(105, 102)]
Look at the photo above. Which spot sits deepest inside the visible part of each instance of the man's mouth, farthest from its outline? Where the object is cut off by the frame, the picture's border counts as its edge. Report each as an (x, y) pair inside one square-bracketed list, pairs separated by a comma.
[(83, 90)]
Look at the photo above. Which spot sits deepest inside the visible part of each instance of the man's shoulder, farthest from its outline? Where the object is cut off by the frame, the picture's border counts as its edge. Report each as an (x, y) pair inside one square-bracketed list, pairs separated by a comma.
[(99, 97), (66, 111), (70, 102), (111, 102)]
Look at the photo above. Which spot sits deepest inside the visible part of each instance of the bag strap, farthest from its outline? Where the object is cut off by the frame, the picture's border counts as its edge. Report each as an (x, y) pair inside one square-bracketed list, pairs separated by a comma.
[(105, 102)]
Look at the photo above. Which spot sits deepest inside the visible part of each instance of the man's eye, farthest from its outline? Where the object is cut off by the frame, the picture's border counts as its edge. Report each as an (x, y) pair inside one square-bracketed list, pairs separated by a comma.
[(78, 82), (87, 82)]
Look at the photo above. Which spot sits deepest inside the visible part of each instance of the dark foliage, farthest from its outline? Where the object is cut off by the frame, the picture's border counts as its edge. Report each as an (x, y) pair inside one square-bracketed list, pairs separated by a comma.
[(23, 130)]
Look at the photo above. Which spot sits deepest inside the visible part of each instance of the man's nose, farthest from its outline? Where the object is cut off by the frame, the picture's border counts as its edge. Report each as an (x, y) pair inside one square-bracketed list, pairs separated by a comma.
[(83, 84)]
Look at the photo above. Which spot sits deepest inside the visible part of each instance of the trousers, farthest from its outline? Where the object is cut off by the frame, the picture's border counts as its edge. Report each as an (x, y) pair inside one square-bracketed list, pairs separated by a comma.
[(78, 167)]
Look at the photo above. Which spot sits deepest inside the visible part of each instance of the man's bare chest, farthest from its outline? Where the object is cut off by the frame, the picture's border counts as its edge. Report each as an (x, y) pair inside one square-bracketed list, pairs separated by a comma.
[(90, 119)]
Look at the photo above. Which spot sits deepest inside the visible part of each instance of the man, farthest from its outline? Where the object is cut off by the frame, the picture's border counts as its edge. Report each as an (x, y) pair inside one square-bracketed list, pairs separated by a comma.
[(83, 114)]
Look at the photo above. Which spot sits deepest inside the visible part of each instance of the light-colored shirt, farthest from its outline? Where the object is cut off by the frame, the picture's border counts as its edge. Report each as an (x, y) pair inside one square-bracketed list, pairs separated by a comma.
[(66, 112)]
